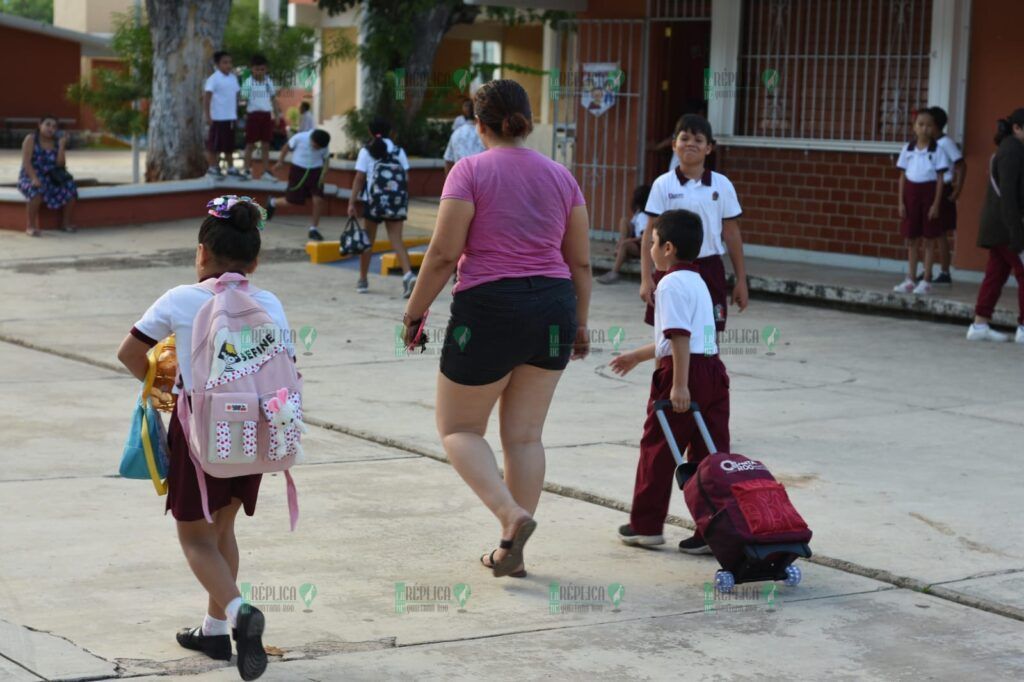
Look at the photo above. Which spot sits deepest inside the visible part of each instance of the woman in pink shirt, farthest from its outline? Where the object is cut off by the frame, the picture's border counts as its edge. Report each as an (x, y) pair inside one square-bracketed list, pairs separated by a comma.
[(514, 223)]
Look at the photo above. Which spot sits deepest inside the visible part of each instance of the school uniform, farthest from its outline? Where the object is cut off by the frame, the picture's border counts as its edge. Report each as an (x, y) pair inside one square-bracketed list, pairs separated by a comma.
[(1001, 228), (174, 312), (306, 174), (366, 164), (259, 109), (713, 198), (682, 307), (922, 168), (639, 223), (947, 207), (223, 89)]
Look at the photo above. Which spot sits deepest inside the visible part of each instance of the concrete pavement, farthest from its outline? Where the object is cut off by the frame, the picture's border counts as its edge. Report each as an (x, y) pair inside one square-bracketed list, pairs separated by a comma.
[(896, 439)]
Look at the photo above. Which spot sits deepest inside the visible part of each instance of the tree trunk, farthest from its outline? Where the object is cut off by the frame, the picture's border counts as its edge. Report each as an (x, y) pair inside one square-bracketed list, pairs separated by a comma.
[(431, 27), (185, 35)]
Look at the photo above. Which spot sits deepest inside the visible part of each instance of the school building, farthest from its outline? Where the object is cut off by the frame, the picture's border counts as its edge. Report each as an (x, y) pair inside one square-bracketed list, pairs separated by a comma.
[(810, 101)]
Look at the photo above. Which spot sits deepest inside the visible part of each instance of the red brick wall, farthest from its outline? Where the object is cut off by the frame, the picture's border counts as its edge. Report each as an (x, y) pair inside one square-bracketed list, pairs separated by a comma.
[(839, 202), (40, 69)]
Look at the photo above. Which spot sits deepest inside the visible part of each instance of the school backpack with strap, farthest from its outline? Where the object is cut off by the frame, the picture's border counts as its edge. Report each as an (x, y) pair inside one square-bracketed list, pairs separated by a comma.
[(388, 190), (244, 413)]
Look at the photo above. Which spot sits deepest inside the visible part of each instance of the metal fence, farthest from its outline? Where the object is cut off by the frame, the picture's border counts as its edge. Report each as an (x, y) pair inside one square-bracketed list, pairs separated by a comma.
[(832, 69)]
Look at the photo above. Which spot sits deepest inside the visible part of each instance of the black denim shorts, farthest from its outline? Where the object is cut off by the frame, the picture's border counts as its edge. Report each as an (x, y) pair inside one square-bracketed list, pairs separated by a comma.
[(497, 326)]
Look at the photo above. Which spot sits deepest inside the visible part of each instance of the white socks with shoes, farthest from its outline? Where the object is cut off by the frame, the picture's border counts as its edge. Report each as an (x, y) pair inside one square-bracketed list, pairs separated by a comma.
[(213, 627)]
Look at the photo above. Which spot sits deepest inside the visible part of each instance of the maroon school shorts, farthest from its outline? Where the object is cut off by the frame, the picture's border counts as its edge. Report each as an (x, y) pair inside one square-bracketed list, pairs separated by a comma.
[(183, 498), (259, 127), (917, 200), (947, 210), (712, 271), (221, 138), (303, 183)]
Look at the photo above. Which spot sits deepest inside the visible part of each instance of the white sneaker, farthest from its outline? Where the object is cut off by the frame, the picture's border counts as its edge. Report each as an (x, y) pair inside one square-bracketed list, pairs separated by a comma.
[(983, 332), (923, 287), (1019, 338), (904, 287), (408, 282)]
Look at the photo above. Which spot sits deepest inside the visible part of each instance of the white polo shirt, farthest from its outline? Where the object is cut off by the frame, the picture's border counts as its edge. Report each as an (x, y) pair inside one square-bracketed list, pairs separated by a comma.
[(305, 155), (639, 223), (224, 88), (176, 310), (952, 152), (922, 165), (682, 303), (712, 197)]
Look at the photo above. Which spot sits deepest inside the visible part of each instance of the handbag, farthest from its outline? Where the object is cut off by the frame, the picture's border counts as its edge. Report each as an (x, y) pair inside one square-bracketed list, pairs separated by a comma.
[(145, 452), (354, 239), (60, 176)]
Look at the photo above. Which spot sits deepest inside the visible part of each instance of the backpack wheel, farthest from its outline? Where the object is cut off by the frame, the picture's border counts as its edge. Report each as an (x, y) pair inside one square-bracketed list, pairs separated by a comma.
[(724, 581), (793, 575)]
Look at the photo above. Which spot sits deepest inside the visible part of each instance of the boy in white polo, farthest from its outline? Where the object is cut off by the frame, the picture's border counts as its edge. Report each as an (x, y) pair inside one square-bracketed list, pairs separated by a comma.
[(220, 106), (692, 187), (922, 165), (306, 177), (260, 97), (688, 369)]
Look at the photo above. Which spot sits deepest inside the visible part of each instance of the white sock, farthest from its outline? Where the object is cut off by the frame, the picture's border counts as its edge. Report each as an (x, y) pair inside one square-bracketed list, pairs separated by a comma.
[(232, 610), (213, 626), (313, 227), (271, 202), (979, 326)]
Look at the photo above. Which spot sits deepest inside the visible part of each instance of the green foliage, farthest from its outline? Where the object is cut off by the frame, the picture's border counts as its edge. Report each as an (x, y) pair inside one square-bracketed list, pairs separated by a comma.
[(424, 134), (288, 49), (112, 92), (39, 10)]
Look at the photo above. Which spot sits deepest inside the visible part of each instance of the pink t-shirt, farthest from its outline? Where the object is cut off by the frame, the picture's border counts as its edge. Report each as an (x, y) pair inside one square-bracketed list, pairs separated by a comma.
[(523, 200)]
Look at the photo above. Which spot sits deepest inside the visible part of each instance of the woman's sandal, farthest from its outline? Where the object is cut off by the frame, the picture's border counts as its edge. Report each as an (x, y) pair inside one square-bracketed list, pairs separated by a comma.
[(507, 564), (489, 563)]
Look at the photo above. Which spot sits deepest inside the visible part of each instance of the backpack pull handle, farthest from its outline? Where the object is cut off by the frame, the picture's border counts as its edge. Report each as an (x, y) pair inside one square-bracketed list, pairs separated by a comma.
[(227, 278)]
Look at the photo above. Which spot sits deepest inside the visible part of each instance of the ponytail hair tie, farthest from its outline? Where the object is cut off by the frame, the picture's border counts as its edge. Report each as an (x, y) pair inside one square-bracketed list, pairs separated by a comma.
[(378, 135), (222, 205)]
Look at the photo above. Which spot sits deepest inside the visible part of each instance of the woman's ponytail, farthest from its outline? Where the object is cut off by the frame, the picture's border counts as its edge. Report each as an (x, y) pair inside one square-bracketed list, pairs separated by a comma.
[(380, 129)]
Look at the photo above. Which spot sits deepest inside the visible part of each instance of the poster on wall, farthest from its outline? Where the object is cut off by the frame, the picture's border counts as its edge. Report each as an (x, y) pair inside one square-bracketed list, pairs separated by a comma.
[(599, 85)]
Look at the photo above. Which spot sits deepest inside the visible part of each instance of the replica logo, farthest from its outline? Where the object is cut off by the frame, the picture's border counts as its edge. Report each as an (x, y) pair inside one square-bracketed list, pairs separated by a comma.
[(236, 407)]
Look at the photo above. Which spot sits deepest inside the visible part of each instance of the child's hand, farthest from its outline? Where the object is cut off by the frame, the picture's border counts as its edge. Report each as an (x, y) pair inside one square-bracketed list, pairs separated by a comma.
[(933, 213), (740, 297), (623, 364), (647, 292), (351, 210), (902, 211), (680, 397)]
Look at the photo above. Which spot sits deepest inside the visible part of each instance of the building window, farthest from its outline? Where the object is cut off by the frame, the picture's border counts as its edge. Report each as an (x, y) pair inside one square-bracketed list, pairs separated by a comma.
[(848, 70), (485, 52)]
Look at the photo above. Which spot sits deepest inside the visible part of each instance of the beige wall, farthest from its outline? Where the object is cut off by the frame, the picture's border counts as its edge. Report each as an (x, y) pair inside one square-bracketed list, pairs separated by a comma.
[(338, 82), (89, 16), (524, 46)]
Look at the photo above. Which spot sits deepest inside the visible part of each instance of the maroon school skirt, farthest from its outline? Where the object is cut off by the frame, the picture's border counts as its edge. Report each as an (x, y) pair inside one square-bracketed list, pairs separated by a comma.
[(712, 271), (183, 499), (917, 200)]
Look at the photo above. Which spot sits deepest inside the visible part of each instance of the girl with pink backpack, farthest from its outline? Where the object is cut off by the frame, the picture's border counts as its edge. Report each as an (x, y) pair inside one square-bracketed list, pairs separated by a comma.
[(238, 415)]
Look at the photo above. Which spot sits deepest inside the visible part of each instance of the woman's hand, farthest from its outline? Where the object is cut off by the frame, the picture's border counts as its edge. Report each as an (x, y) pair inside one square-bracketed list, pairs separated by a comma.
[(624, 363), (680, 397), (581, 346), (412, 326)]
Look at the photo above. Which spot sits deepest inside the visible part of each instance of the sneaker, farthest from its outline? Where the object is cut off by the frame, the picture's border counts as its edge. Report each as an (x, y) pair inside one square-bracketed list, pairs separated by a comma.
[(983, 332), (235, 173), (923, 288), (408, 282), (694, 545), (271, 209), (609, 277), (314, 234), (904, 287), (252, 658), (246, 174), (631, 537), (1019, 337), (943, 278), (362, 286), (215, 173), (217, 647), (267, 175)]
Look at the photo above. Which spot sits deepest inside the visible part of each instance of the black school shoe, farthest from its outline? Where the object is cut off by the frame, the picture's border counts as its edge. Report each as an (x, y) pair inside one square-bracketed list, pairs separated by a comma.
[(694, 545), (217, 647), (252, 659)]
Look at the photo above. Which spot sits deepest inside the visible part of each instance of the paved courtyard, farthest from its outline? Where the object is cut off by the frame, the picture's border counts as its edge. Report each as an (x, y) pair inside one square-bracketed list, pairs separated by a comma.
[(899, 442)]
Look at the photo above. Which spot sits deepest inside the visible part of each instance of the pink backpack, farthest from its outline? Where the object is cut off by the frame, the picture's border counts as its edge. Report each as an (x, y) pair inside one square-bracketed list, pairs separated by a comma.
[(245, 415)]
